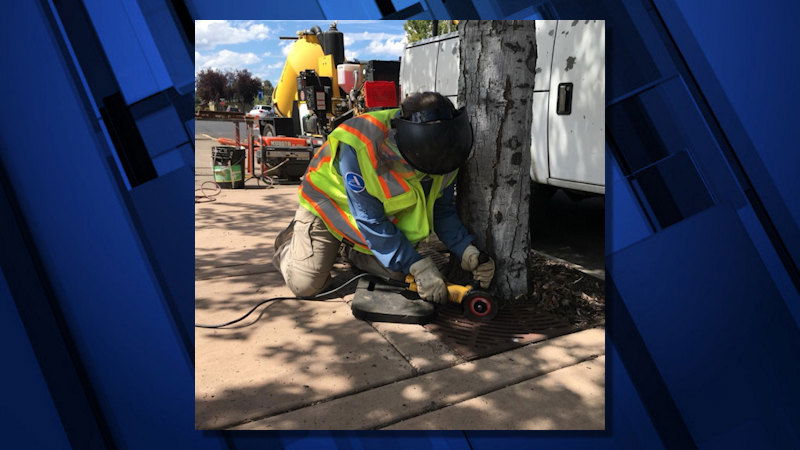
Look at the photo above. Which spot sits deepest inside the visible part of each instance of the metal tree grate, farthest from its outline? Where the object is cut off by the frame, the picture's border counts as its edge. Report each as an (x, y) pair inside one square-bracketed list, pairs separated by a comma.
[(514, 326)]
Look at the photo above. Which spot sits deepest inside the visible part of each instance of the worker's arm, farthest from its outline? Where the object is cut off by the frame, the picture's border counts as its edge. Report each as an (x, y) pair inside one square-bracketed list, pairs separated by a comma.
[(448, 226), (387, 243), (452, 232)]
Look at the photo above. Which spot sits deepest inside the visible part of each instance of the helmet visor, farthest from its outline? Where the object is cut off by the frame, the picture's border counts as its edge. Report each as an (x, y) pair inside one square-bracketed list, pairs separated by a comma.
[(437, 147)]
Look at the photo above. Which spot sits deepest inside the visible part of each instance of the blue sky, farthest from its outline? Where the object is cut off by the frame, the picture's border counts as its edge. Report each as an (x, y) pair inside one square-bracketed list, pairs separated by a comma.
[(254, 44)]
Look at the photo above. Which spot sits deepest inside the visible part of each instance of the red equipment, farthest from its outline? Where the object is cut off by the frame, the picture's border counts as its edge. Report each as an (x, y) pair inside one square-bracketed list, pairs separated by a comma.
[(380, 94)]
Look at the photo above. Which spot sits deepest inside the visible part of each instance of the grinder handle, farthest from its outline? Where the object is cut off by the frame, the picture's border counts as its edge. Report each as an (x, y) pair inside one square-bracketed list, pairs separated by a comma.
[(412, 285), (455, 292)]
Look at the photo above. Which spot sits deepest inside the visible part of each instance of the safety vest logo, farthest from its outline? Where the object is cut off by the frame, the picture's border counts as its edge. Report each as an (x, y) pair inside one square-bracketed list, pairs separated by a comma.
[(354, 182)]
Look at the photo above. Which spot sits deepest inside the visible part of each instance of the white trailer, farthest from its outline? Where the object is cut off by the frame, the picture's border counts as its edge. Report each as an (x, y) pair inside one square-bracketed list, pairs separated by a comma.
[(568, 125)]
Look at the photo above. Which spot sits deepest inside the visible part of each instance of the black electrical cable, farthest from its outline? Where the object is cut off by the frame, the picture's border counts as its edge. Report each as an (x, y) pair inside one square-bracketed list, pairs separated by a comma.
[(317, 297)]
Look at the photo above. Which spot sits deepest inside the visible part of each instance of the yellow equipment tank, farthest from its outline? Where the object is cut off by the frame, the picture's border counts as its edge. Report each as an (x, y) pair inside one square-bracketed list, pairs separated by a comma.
[(305, 54)]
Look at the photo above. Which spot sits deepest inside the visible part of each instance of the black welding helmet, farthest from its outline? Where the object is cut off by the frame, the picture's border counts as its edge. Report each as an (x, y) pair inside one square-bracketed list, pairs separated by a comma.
[(434, 141)]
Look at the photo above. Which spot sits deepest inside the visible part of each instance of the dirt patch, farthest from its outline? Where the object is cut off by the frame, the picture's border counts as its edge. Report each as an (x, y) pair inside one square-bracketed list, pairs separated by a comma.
[(567, 292)]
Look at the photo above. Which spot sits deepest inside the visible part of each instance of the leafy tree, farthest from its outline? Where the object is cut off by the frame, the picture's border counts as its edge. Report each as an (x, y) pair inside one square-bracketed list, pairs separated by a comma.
[(211, 85), (244, 87), (266, 88), (421, 29), (448, 26)]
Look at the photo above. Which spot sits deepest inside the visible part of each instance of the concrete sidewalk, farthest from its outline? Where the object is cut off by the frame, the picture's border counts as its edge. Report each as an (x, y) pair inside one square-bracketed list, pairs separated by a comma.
[(312, 365)]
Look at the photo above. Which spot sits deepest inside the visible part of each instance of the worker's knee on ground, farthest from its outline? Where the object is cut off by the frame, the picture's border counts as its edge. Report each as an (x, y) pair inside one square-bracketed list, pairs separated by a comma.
[(305, 285)]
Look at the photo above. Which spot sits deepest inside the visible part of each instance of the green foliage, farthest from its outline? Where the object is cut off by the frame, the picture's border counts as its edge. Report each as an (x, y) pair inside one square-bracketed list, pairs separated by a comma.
[(421, 29), (267, 88), (211, 85), (447, 26), (237, 87), (244, 87), (417, 29)]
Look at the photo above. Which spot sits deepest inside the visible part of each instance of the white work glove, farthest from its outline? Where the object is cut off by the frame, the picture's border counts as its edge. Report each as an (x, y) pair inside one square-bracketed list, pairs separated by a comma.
[(430, 283), (482, 273)]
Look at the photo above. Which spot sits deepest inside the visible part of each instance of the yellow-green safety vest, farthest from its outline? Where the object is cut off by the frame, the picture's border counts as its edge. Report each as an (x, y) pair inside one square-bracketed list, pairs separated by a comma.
[(387, 177)]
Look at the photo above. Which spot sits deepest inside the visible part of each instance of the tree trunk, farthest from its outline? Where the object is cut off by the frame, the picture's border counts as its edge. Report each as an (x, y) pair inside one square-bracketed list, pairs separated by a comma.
[(498, 62)]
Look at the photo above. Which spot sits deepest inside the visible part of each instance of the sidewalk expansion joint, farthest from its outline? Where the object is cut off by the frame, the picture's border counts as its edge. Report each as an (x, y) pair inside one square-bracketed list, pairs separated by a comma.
[(437, 406), (414, 370), (399, 380)]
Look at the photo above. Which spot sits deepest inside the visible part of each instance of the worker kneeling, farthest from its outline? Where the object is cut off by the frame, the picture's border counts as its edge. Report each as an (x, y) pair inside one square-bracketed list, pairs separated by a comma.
[(381, 183)]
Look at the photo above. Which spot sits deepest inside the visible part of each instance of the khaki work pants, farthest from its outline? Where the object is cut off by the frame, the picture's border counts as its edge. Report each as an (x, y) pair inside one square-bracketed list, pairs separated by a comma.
[(306, 251)]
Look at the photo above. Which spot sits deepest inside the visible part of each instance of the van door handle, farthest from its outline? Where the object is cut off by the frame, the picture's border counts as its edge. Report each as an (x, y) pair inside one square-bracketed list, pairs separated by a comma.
[(564, 100)]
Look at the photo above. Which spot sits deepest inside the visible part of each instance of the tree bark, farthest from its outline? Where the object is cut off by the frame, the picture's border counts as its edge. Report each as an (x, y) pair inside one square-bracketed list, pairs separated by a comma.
[(498, 62)]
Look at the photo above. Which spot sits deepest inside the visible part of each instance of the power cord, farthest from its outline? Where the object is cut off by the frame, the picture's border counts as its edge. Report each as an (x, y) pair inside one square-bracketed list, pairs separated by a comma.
[(317, 297), (269, 181), (205, 197)]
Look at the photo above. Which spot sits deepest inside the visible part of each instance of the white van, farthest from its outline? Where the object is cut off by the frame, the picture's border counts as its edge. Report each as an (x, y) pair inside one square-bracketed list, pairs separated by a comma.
[(568, 145)]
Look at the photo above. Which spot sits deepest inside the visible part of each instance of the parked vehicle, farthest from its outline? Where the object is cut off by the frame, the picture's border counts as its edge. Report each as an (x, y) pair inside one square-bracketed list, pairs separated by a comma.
[(263, 112), (568, 125)]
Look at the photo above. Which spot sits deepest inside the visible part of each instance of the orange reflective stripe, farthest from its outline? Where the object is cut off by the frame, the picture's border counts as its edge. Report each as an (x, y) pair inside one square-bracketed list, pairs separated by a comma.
[(319, 163), (400, 180), (395, 185), (319, 158), (405, 173), (385, 187), (370, 148), (338, 209), (376, 122), (325, 216), (322, 149), (328, 221)]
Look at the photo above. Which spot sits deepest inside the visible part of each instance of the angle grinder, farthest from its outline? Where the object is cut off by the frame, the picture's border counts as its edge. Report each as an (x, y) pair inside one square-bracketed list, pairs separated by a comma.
[(387, 300), (476, 304)]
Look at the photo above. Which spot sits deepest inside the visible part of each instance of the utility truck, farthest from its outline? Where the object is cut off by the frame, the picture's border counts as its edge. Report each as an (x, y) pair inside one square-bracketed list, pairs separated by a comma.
[(568, 124)]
